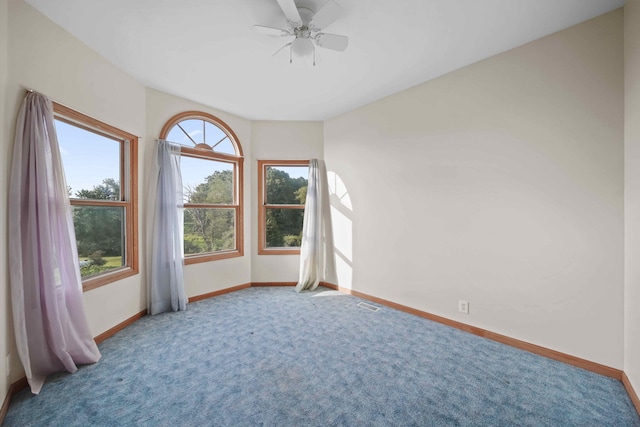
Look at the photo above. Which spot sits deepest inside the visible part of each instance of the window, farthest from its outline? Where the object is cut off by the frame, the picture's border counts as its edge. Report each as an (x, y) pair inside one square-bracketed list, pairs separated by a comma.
[(100, 166), (282, 189), (212, 177)]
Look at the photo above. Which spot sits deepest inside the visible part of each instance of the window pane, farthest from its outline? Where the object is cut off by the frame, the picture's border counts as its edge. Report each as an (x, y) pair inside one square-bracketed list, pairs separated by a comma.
[(209, 230), (179, 137), (100, 238), (284, 227), (286, 185), (91, 163), (207, 181), (195, 129), (215, 135), (225, 147)]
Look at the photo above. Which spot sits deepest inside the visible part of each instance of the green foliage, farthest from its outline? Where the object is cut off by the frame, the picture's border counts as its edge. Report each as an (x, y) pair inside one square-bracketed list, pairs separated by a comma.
[(108, 190), (109, 263), (99, 228), (210, 230), (217, 189), (292, 241), (284, 226), (96, 258), (301, 194), (282, 189), (90, 270), (194, 244)]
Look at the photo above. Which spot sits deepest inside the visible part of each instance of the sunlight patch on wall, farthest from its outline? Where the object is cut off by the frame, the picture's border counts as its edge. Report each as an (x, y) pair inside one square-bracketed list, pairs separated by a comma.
[(342, 224)]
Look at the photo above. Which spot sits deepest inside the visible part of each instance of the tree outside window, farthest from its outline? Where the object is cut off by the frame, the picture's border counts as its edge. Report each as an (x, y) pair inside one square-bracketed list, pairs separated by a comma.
[(282, 194), (212, 175), (101, 173)]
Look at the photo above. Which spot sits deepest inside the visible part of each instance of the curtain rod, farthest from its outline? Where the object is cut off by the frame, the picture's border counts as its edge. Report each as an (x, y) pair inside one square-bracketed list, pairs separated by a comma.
[(64, 105)]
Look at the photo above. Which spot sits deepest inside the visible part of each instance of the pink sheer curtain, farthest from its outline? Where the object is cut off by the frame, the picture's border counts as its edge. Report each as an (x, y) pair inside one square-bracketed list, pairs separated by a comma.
[(50, 326)]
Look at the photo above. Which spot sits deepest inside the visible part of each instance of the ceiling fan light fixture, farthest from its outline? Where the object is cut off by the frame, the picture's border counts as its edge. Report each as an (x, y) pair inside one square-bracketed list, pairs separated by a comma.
[(306, 26), (302, 47)]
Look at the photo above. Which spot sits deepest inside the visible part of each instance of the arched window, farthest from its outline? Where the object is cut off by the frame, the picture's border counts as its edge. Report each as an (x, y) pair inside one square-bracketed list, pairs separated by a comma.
[(212, 177)]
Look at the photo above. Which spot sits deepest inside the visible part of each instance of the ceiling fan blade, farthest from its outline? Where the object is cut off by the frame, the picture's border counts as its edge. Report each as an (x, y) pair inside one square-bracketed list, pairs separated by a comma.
[(290, 10), (270, 31), (332, 41), (283, 47), (326, 15)]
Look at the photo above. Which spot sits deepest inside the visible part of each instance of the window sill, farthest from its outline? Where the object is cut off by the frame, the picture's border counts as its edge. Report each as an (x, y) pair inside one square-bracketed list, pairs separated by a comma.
[(278, 251), (106, 278), (196, 259)]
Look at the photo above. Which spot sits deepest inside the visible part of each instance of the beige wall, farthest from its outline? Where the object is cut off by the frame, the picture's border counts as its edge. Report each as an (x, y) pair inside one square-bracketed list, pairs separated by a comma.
[(56, 64), (6, 336), (210, 276), (279, 141), (500, 184), (632, 190)]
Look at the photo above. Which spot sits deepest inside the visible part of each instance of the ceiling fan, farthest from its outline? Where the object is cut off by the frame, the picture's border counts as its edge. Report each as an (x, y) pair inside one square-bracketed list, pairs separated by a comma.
[(306, 26)]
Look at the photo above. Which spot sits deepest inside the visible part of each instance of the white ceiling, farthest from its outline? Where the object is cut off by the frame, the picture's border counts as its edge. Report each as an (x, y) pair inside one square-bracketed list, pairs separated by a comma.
[(206, 51)]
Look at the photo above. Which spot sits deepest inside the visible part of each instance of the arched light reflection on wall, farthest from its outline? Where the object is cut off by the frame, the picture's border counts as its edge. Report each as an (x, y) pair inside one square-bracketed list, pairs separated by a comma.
[(341, 222)]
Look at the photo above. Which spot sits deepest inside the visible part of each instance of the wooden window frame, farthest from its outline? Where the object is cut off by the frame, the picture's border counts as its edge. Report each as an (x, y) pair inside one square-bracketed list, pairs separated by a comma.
[(238, 179), (263, 206), (128, 191)]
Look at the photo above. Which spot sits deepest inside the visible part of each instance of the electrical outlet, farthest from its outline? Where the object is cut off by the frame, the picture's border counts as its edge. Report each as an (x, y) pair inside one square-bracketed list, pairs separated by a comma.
[(463, 306), (9, 364)]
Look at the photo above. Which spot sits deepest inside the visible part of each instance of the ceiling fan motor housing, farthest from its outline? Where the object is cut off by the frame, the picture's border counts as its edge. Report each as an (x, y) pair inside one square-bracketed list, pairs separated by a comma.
[(302, 32), (306, 14)]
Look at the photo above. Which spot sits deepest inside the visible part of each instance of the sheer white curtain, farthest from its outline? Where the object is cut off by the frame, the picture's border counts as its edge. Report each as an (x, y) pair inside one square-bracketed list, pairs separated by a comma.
[(166, 282), (311, 249), (51, 329)]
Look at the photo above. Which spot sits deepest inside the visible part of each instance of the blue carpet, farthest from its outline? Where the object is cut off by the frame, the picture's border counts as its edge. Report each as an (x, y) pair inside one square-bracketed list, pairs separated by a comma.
[(269, 356)]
